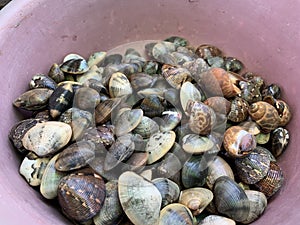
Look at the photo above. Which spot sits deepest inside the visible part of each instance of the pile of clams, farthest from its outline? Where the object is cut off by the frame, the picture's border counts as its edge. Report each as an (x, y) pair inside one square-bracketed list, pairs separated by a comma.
[(175, 134)]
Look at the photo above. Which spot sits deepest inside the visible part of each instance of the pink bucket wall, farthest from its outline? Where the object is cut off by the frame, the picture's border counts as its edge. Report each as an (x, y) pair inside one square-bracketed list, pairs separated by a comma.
[(34, 34)]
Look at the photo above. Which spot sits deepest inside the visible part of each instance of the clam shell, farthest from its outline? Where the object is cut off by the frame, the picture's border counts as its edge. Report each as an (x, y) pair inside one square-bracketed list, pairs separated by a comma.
[(152, 105), (216, 168), (75, 156), (42, 81), (94, 73), (56, 74), (195, 144), (32, 168), (86, 98), (47, 138), (51, 179), (196, 199), (75, 66), (175, 76), (104, 109), (216, 220), (176, 214), (230, 199), (159, 144), (169, 120), (96, 58), (140, 199), (168, 189), (111, 211), (136, 162), (81, 196), (188, 91), (168, 166), (128, 121), (34, 99), (258, 203), (141, 81), (119, 85), (146, 127), (161, 52)]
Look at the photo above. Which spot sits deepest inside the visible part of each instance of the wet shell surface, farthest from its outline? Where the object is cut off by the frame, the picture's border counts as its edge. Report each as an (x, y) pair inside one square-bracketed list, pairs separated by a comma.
[(195, 144), (279, 141), (188, 91), (218, 104), (56, 74), (146, 127), (86, 98), (119, 85), (196, 199), (175, 214), (128, 121), (265, 115), (104, 109), (159, 144), (32, 168), (175, 76), (216, 220), (81, 196), (169, 166), (140, 199), (47, 138), (42, 81), (284, 112), (238, 110), (75, 66), (238, 142)]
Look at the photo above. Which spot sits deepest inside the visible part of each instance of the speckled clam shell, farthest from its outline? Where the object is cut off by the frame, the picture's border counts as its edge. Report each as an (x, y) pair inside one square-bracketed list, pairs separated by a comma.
[(119, 85), (196, 199), (265, 115), (139, 198), (50, 179), (176, 213), (93, 73), (81, 196), (175, 76), (216, 220), (188, 91), (258, 204), (128, 121), (238, 142), (159, 144), (32, 168), (34, 99), (47, 138)]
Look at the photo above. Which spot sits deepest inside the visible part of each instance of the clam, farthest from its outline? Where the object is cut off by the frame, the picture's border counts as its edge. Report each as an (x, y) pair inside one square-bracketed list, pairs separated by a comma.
[(171, 95), (150, 67), (104, 109), (168, 189), (96, 58), (230, 199), (111, 211), (93, 73), (279, 141), (128, 121), (253, 167), (47, 138), (51, 179), (74, 66), (238, 110), (146, 127), (141, 81), (258, 203), (152, 105), (175, 75), (140, 199), (202, 118), (56, 74), (100, 135), (196, 199), (42, 81), (75, 156), (18, 131), (265, 115), (147, 174), (32, 168), (272, 182), (206, 51), (169, 120), (61, 99), (119, 85), (195, 144), (216, 220), (136, 162), (161, 52), (216, 168), (81, 197), (168, 166), (197, 68), (250, 126), (176, 213), (238, 142), (120, 151), (194, 171), (188, 91), (34, 99), (159, 144)]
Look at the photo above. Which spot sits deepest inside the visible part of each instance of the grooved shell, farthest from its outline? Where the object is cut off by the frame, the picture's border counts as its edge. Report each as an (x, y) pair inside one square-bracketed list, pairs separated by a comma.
[(34, 99), (230, 199), (253, 167), (175, 75), (196, 199), (75, 156), (104, 109), (159, 144), (51, 179), (265, 115), (47, 138), (32, 168), (238, 110), (111, 211), (119, 85), (140, 199), (168, 189), (216, 168), (75, 66), (195, 144), (146, 127), (127, 121), (216, 220), (176, 214), (188, 91), (81, 196), (238, 142)]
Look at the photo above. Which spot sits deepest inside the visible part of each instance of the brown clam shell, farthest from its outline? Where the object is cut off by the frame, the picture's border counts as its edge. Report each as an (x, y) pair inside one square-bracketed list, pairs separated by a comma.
[(175, 76)]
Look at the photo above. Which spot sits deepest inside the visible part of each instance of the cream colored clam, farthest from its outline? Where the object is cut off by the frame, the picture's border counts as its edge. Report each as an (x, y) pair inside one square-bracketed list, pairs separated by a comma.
[(119, 85), (216, 220), (188, 91)]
